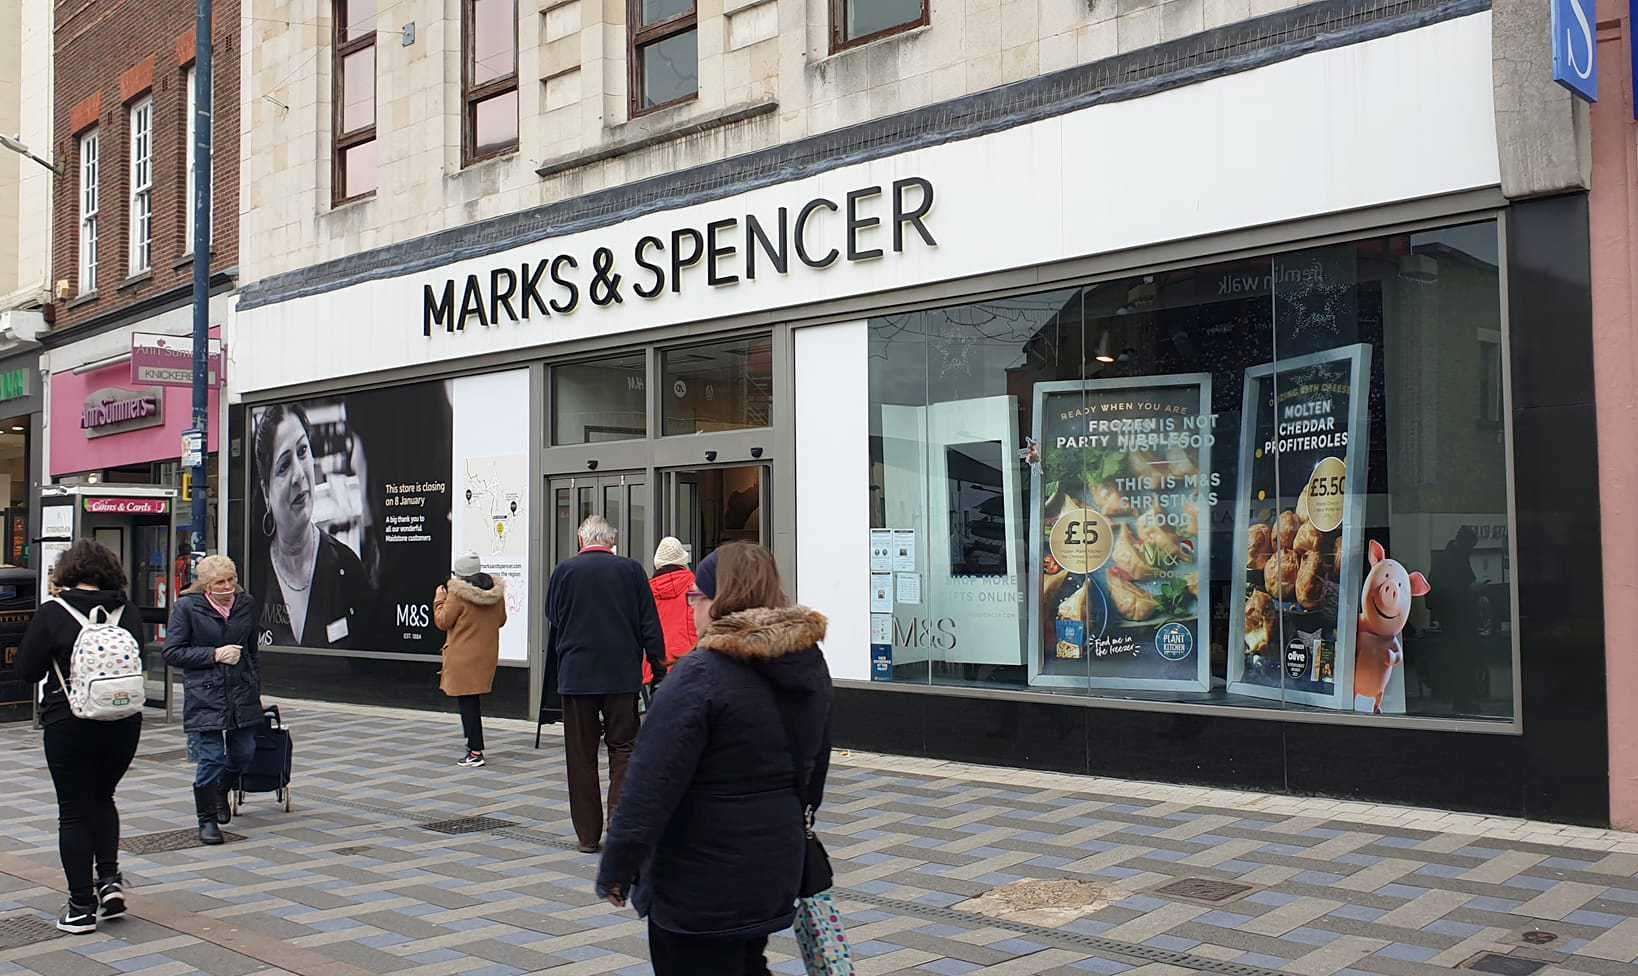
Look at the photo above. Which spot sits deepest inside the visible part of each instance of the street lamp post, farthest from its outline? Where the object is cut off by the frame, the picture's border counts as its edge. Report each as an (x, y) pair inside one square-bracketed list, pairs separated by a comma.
[(201, 274)]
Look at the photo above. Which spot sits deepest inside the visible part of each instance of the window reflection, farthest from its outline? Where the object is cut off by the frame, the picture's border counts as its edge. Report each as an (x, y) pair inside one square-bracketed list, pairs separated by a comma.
[(1179, 486)]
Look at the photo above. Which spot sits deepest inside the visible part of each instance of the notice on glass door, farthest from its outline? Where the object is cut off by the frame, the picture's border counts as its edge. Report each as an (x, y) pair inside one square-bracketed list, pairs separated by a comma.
[(904, 550), (881, 550), (909, 588), (881, 593), (881, 628)]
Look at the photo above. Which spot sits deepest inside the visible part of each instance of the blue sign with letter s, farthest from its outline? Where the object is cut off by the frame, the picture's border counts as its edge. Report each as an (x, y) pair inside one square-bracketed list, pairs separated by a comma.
[(1575, 48)]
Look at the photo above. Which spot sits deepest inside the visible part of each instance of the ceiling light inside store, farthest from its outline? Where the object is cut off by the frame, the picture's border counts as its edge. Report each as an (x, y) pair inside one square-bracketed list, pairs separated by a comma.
[(1103, 354), (1420, 268), (17, 430)]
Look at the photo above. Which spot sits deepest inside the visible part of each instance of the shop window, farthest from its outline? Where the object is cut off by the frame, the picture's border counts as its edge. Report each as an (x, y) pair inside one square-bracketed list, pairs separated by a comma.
[(90, 170), (602, 400), (716, 387), (862, 21), (14, 493), (663, 51), (1278, 482), (142, 185), (490, 78), (353, 157)]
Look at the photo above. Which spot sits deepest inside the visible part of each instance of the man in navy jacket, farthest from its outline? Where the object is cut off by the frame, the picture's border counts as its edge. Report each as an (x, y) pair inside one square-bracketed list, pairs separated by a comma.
[(602, 622)]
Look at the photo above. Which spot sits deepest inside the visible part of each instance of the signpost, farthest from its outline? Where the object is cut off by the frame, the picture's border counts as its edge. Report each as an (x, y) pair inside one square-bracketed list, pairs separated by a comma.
[(1575, 48)]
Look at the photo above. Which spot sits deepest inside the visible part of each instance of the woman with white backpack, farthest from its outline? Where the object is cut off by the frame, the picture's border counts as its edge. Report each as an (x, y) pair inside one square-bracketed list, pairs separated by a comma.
[(82, 642)]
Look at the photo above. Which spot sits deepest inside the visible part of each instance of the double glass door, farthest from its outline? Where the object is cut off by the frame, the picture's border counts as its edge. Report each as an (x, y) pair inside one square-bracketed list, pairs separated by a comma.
[(621, 498), (706, 508)]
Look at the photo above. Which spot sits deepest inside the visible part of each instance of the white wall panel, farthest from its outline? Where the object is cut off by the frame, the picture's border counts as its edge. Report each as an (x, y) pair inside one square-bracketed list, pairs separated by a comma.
[(1393, 119), (833, 489)]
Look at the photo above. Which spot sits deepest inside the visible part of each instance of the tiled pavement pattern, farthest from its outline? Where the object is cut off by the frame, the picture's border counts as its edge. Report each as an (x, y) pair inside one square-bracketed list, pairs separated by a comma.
[(351, 882)]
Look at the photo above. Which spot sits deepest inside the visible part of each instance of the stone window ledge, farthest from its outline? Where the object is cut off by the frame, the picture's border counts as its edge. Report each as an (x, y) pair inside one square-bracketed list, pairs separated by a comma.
[(681, 129)]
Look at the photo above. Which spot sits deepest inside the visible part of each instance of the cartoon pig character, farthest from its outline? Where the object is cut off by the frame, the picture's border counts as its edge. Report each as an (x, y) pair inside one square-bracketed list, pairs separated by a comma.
[(1384, 606)]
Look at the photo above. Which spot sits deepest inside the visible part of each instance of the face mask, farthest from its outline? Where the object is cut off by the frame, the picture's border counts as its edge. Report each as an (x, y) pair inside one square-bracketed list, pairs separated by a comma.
[(223, 600)]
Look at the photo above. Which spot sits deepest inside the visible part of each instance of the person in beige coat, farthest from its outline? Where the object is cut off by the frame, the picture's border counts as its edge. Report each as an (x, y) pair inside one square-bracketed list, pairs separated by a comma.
[(471, 609)]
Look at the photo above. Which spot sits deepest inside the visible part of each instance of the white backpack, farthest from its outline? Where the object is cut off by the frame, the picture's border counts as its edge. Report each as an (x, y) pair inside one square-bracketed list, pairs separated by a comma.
[(106, 668)]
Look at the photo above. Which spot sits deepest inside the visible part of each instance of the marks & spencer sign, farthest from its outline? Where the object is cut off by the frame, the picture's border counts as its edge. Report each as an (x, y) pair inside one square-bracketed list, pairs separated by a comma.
[(865, 225)]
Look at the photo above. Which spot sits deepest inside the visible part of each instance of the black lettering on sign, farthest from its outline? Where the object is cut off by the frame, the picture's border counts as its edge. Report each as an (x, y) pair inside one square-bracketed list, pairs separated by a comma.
[(802, 218), (678, 262), (855, 224), (657, 271), (438, 308), (715, 252)]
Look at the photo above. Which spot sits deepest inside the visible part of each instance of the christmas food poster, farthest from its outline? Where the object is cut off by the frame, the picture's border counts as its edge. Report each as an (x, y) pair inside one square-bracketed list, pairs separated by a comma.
[(1297, 532), (1122, 487)]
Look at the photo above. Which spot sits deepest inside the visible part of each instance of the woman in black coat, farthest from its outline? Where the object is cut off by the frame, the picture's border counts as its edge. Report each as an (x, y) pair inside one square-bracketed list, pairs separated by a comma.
[(709, 836), (212, 639)]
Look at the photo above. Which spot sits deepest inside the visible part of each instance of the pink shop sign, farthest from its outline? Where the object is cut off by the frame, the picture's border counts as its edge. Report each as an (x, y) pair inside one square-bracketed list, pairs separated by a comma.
[(127, 506)]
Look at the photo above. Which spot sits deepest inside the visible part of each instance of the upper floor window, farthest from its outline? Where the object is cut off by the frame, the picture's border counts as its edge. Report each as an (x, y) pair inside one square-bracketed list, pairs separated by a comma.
[(353, 158), (860, 21), (142, 185), (90, 169), (489, 78), (664, 53)]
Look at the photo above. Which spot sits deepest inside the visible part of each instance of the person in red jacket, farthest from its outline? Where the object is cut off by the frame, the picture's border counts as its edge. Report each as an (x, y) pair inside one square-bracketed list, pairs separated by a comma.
[(670, 584)]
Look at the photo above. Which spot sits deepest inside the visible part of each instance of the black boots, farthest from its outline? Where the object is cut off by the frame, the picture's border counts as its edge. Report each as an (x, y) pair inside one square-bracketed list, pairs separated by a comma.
[(224, 806), (204, 803)]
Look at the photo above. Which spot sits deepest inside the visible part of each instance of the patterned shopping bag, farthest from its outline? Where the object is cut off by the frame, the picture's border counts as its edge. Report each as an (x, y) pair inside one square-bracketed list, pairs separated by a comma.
[(819, 933)]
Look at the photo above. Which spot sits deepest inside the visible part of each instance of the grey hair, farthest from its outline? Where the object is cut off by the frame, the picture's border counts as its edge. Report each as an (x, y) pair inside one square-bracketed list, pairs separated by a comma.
[(209, 570), (596, 531)]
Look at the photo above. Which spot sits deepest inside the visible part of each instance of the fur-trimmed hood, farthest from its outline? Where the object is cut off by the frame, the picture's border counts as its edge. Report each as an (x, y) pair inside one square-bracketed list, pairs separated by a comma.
[(765, 634), (458, 587), (783, 644)]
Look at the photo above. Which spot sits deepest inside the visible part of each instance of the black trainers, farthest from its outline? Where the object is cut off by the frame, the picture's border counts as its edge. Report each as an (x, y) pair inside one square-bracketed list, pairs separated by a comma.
[(111, 895), (77, 919), (472, 760)]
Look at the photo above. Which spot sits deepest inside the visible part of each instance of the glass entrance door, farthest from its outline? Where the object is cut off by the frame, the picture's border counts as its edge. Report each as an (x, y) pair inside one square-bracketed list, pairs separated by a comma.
[(620, 497), (709, 507)]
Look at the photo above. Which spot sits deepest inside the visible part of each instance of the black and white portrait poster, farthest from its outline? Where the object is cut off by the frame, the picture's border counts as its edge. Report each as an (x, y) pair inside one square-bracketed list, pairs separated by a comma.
[(350, 507)]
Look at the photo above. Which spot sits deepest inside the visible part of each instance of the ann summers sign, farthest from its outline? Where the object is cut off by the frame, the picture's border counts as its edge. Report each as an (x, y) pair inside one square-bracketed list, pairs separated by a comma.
[(862, 226)]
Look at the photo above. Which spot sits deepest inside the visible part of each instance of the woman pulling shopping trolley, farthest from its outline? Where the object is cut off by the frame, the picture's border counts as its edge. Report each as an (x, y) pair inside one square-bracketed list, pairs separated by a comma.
[(212, 639)]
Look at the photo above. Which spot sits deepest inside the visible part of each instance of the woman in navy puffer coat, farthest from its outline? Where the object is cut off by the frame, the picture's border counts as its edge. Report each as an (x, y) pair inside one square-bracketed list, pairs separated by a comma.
[(212, 639), (709, 837)]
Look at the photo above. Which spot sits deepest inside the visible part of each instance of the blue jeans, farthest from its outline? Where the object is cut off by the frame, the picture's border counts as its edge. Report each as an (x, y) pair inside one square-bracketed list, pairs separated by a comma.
[(221, 756)]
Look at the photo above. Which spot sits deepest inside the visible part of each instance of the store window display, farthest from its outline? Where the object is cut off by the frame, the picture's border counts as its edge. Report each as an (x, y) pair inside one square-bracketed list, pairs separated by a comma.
[(1277, 482)]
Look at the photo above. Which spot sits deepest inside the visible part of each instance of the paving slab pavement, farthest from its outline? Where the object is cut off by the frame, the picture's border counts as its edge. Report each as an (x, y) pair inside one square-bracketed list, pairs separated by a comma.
[(353, 881)]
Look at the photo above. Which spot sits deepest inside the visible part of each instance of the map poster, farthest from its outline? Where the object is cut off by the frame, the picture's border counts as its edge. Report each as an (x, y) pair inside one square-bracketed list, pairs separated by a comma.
[(492, 520), (1118, 539), (489, 506), (1298, 522)]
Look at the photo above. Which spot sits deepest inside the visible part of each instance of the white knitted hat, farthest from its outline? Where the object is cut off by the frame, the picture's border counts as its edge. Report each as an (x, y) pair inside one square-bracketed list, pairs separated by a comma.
[(468, 565), (671, 553)]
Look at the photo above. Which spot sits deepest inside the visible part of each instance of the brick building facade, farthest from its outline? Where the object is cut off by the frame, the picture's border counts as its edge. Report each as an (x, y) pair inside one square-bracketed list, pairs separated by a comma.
[(112, 59)]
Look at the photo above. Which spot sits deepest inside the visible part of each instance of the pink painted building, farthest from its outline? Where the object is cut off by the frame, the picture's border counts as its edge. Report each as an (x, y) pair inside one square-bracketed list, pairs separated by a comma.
[(1613, 214)]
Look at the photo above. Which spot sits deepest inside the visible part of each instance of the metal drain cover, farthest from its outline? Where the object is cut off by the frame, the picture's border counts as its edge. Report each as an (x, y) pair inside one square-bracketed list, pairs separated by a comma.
[(1503, 965), (17, 931), (169, 840), (168, 755), (468, 825), (1203, 889)]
